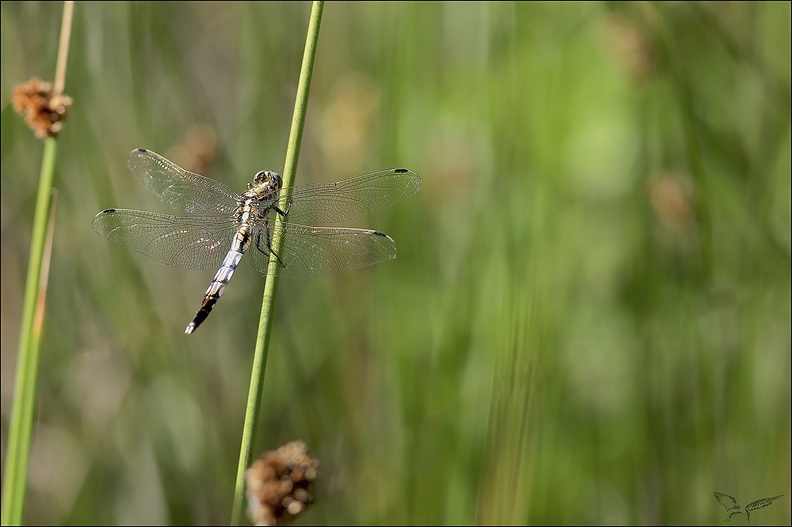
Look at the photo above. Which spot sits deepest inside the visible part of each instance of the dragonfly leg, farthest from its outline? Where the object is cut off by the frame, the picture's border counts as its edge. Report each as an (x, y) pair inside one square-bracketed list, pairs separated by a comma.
[(268, 244), (281, 212)]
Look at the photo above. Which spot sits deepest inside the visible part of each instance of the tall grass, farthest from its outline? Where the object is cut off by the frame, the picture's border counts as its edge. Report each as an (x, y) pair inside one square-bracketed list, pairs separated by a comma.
[(588, 319), (20, 426)]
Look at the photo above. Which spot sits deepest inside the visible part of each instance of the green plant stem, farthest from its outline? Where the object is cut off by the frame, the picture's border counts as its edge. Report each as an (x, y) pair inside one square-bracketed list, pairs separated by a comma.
[(21, 422), (20, 427), (271, 285)]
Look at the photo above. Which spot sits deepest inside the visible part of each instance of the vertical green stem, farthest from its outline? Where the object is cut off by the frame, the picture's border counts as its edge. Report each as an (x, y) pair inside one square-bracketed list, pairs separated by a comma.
[(271, 286), (20, 427), (21, 424)]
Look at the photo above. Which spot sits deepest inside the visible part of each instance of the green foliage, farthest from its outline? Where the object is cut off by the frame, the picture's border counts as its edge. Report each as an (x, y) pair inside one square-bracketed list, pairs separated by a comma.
[(589, 317)]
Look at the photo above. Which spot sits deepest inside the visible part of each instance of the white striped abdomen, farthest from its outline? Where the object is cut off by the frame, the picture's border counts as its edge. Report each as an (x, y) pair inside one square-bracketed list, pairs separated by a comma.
[(239, 245)]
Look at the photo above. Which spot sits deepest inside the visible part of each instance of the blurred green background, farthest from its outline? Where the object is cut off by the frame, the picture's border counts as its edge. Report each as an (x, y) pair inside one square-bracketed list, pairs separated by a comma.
[(589, 317)]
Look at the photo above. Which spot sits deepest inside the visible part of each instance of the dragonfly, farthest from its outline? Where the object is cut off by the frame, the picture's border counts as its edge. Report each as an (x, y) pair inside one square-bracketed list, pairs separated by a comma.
[(220, 226)]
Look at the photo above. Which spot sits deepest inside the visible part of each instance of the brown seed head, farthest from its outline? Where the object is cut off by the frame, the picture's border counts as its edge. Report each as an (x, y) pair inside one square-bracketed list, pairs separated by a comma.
[(278, 484), (43, 109)]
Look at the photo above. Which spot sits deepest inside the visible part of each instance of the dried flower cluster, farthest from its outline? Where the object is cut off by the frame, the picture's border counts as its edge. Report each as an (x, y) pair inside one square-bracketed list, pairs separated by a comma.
[(672, 199), (197, 150), (43, 109), (278, 484), (630, 40)]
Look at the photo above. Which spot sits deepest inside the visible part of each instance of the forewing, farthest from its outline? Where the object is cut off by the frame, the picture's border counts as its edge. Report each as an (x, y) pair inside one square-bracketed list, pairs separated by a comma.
[(350, 198), (312, 251), (191, 242), (181, 189)]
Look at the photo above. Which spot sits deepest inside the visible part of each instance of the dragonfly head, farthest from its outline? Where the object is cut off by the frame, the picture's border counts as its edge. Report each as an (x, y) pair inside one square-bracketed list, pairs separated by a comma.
[(270, 178)]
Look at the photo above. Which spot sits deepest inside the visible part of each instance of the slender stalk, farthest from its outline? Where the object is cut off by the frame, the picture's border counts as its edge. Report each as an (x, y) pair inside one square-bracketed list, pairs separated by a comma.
[(271, 285), (21, 423), (20, 428), (63, 48)]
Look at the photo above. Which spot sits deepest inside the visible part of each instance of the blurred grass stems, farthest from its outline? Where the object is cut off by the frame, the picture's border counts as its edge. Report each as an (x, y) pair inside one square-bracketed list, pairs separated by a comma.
[(21, 422), (271, 285), (504, 496)]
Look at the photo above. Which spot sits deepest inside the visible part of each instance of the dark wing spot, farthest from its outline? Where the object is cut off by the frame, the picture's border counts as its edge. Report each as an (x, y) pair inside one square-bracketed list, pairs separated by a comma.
[(400, 170), (142, 150), (378, 233), (108, 211)]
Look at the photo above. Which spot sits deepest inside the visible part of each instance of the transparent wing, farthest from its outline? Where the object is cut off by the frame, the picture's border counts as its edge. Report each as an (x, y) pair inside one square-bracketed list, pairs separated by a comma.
[(195, 242), (350, 198), (313, 251), (181, 189)]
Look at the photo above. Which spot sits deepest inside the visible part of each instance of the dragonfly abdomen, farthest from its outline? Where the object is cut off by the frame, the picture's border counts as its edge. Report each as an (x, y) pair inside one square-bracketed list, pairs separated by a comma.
[(220, 280)]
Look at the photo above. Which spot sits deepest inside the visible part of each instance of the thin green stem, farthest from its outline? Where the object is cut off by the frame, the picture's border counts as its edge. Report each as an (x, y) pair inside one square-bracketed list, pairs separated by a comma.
[(21, 423), (271, 286), (20, 427)]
